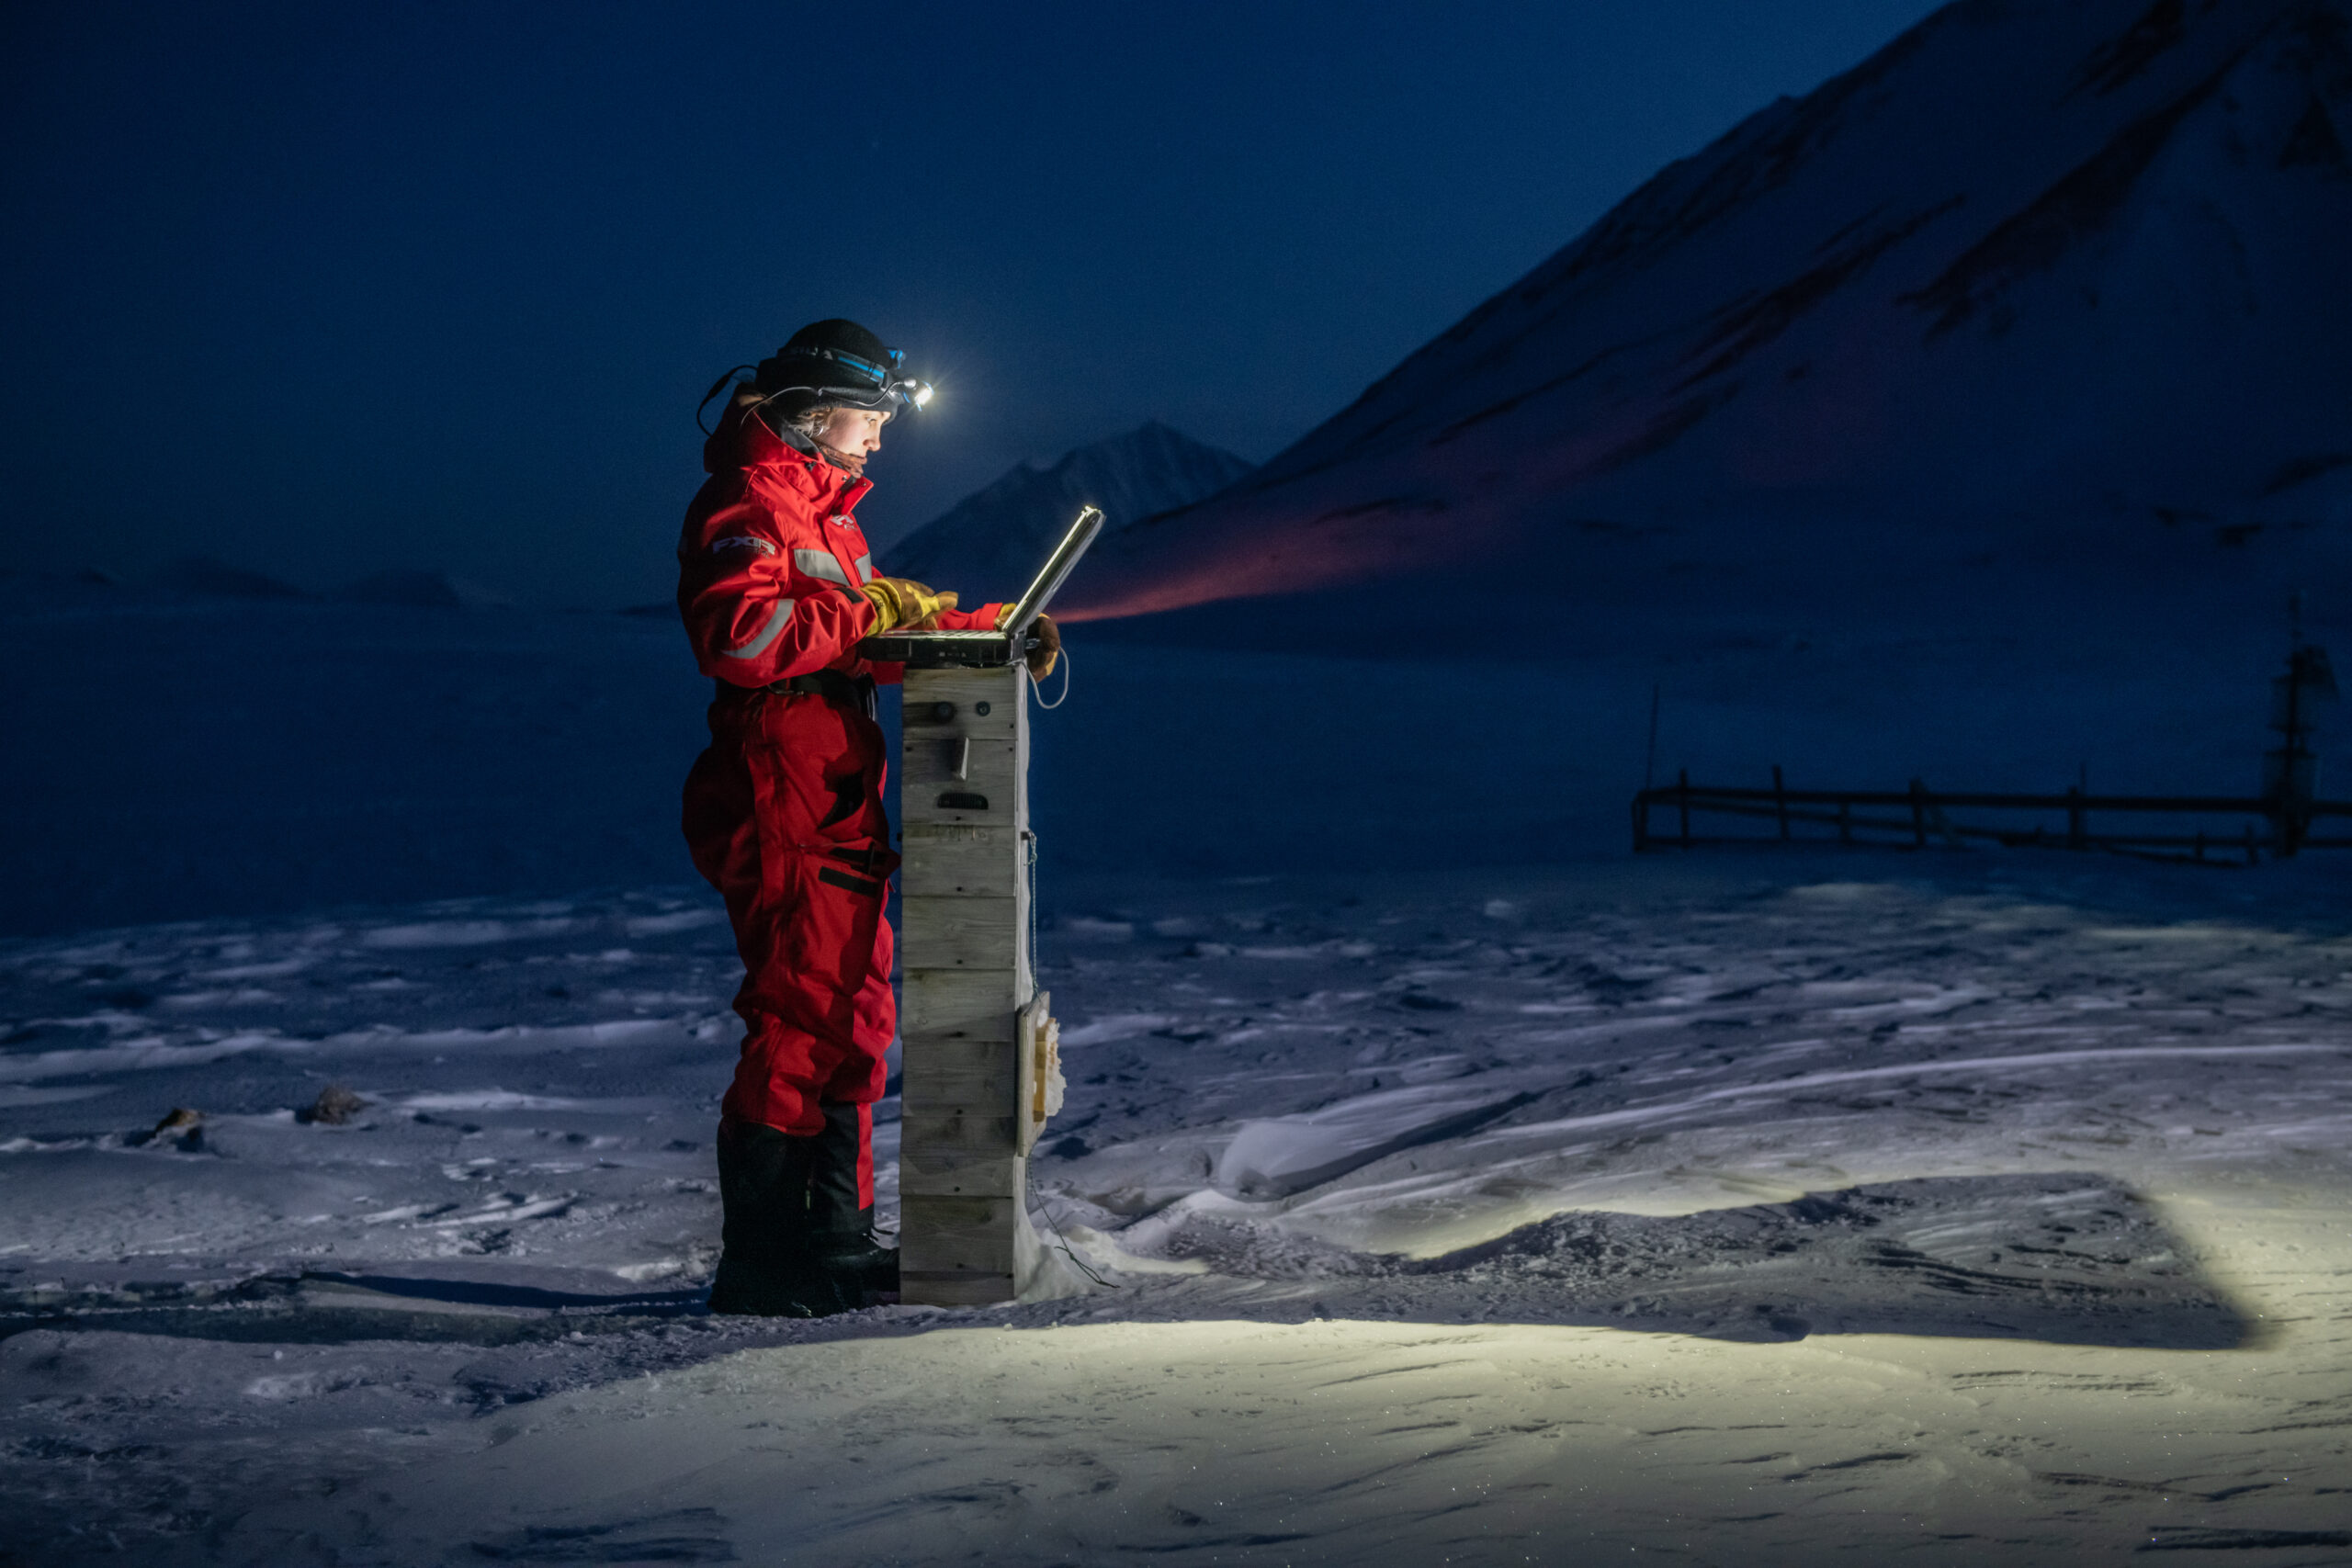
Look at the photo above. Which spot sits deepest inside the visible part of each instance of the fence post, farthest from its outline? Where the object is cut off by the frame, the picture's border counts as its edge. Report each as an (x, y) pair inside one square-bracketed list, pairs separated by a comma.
[(1682, 789), (1780, 799), (1919, 814), (2076, 839), (1642, 820)]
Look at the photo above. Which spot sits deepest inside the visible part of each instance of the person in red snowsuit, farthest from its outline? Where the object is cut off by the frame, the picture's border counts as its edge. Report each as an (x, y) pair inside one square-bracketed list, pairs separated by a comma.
[(784, 813)]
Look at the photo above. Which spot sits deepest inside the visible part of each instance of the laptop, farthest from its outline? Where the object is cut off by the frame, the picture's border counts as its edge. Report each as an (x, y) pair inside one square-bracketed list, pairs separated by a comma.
[(990, 650)]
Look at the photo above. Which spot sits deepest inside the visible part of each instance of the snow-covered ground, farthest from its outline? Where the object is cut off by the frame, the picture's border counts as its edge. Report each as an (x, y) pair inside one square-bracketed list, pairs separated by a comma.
[(1974, 1207), (1462, 1187)]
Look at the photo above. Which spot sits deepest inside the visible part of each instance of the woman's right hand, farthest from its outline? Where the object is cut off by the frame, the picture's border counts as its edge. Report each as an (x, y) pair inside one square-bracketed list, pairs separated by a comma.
[(902, 602)]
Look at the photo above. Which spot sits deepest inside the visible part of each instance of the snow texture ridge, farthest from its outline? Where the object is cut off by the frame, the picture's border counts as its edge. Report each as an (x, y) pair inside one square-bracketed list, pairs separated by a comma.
[(2045, 293)]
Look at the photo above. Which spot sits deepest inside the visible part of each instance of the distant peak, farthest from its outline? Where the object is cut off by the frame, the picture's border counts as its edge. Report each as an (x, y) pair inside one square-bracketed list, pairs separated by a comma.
[(998, 532), (215, 578), (430, 589)]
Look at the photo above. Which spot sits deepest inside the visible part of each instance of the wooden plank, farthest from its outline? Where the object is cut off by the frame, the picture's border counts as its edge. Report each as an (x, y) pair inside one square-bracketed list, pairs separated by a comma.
[(998, 764), (1030, 1033), (960, 1288), (960, 1004), (963, 691), (957, 1131), (948, 1241), (958, 1155), (926, 761), (963, 805), (959, 861), (946, 1172), (976, 1076), (962, 933)]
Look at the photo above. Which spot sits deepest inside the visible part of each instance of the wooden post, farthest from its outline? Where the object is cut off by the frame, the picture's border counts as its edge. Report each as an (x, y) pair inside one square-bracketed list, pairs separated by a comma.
[(964, 1237), (2077, 838), (1780, 799), (2290, 771), (1682, 788), (1919, 814)]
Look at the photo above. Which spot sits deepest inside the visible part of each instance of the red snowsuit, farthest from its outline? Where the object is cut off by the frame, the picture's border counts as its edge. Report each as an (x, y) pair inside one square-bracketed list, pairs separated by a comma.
[(784, 812)]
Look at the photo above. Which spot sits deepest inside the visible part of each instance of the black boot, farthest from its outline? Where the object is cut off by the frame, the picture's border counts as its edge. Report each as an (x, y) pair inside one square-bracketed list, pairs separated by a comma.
[(767, 1267), (840, 1232)]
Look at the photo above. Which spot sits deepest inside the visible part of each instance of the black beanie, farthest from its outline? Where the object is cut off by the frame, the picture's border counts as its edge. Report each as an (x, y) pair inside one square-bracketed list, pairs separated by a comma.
[(822, 358)]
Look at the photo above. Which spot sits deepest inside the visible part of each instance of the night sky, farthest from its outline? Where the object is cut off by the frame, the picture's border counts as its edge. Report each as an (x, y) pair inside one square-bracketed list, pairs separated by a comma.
[(326, 290)]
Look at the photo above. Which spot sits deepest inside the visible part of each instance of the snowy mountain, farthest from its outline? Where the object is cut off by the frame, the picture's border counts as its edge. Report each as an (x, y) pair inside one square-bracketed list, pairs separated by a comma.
[(2044, 302), (990, 543)]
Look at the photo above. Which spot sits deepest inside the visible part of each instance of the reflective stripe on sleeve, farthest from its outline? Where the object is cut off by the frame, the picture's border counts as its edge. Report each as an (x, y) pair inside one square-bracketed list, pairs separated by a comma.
[(819, 563), (767, 633), (864, 564)]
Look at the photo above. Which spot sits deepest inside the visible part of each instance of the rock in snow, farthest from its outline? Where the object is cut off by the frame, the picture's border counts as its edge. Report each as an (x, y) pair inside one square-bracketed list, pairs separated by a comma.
[(2054, 286)]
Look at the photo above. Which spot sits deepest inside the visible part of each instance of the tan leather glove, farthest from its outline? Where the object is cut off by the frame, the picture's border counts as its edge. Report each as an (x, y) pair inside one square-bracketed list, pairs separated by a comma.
[(1048, 648), (902, 602), (1047, 635)]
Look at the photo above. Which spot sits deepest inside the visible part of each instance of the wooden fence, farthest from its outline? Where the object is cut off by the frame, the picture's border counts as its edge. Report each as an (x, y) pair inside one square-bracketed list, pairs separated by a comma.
[(1919, 817)]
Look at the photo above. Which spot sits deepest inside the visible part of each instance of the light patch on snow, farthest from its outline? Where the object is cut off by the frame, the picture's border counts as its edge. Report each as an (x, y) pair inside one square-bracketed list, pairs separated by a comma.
[(497, 1099), (1120, 1026), (1093, 928), (509, 1207), (1987, 1067), (286, 1387), (12, 1097), (463, 933), (673, 923)]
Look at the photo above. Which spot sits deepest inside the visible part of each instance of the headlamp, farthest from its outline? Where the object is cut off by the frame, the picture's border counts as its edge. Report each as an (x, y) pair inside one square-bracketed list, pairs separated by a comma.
[(905, 391), (878, 374)]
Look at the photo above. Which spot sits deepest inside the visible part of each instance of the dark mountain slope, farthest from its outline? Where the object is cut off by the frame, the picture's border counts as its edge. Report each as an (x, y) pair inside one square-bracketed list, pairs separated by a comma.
[(2045, 303)]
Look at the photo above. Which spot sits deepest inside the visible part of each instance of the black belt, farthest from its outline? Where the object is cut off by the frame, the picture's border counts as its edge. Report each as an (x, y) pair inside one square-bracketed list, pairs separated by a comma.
[(842, 691)]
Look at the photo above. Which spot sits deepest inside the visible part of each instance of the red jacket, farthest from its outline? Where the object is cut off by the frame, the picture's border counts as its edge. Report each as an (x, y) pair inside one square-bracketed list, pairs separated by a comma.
[(771, 560)]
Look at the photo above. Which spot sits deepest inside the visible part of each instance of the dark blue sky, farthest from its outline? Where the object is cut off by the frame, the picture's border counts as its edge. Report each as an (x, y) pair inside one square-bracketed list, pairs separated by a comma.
[(326, 290)]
